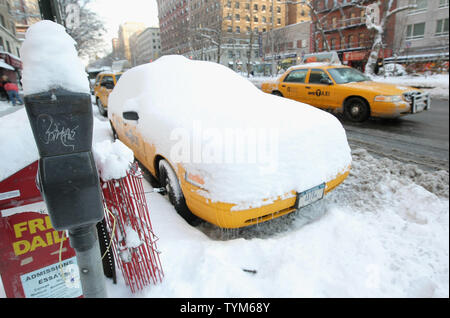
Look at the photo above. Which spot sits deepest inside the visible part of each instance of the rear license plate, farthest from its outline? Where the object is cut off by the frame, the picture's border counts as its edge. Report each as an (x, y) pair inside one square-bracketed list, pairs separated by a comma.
[(310, 196)]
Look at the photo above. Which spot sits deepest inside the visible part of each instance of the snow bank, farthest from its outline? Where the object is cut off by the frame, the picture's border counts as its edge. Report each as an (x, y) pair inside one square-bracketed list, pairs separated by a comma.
[(377, 235), (113, 159), (19, 148), (201, 102), (50, 60), (16, 143)]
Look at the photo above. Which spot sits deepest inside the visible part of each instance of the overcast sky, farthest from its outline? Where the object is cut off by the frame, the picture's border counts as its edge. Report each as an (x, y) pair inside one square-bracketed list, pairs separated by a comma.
[(116, 12)]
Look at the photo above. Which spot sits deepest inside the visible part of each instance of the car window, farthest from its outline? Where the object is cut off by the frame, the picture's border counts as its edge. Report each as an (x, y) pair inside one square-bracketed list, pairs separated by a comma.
[(347, 75), (107, 79), (296, 76), (317, 76), (117, 77)]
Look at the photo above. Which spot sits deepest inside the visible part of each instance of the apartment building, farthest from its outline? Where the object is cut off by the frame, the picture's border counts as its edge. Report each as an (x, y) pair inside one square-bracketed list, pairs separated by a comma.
[(145, 46), (10, 63), (421, 34), (126, 30), (225, 31), (341, 27)]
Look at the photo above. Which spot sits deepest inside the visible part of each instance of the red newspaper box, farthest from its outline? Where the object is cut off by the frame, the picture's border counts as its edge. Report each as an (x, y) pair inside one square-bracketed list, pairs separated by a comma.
[(36, 261)]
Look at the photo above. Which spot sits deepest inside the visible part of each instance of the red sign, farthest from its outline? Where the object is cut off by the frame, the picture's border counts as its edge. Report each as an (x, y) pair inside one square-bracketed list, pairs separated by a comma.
[(362, 55), (354, 56), (30, 266), (30, 247)]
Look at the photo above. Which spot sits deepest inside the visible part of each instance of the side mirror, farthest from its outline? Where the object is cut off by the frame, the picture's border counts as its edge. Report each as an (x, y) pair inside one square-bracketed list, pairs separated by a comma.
[(130, 116)]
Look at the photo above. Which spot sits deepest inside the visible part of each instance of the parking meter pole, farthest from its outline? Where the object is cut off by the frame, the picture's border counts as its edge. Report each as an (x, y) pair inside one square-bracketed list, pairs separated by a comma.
[(85, 242), (62, 125)]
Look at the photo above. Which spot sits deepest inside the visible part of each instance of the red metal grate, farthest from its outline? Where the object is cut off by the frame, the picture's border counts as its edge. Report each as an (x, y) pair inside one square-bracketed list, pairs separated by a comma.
[(133, 239)]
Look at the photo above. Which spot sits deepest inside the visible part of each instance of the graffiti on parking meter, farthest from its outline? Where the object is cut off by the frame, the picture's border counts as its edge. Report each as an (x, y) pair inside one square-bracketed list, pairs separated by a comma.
[(55, 132), (34, 234)]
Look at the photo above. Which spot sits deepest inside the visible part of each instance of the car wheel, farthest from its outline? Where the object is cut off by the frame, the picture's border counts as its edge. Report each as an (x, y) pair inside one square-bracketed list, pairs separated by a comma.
[(168, 180), (101, 109), (277, 93), (356, 110)]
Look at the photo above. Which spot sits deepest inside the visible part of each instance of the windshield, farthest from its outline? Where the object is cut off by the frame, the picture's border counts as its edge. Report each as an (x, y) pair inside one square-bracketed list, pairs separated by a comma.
[(347, 75)]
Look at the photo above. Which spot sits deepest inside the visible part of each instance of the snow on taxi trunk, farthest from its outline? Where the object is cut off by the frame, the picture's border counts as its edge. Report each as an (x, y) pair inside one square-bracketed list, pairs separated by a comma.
[(240, 156)]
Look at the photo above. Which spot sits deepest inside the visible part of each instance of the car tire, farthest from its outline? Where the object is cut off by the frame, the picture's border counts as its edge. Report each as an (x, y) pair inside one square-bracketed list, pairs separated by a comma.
[(277, 93), (101, 109), (168, 180), (356, 110)]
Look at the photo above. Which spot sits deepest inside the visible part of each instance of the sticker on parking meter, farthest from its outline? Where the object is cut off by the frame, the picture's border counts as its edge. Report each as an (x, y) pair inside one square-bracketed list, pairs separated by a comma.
[(53, 281)]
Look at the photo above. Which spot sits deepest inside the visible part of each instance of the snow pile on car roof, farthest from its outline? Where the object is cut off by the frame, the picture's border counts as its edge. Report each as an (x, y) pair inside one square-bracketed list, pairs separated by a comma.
[(245, 144), (50, 60)]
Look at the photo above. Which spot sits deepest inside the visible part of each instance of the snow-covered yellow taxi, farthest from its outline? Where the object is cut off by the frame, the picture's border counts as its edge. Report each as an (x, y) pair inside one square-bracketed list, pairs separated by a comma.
[(104, 84), (226, 156), (342, 89)]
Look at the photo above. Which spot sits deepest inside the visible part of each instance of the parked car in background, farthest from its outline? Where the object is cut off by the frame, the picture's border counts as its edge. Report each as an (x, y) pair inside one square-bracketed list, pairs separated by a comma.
[(342, 89), (104, 84)]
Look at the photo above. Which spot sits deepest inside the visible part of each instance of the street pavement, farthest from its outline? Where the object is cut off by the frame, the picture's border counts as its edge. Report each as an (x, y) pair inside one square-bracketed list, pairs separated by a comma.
[(421, 138)]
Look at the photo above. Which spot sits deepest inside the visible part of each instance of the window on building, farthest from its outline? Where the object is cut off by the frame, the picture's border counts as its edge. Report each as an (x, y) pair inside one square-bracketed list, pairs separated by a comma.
[(443, 3), (421, 5), (238, 29), (415, 31), (442, 27), (351, 41), (333, 44), (361, 40)]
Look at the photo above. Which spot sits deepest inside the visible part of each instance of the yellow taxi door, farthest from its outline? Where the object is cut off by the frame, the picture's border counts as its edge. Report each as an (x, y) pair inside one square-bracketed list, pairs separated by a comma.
[(293, 85), (320, 89), (131, 135)]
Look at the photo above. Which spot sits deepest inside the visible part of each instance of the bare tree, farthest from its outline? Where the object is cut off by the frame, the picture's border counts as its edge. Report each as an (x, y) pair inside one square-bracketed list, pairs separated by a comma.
[(88, 34), (387, 11)]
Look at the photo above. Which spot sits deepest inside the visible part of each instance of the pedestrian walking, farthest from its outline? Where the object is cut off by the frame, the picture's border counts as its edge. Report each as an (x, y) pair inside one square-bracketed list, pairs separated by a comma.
[(3, 94), (13, 92)]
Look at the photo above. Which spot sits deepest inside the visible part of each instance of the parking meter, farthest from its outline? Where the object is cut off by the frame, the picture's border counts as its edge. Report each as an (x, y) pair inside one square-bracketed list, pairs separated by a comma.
[(62, 125)]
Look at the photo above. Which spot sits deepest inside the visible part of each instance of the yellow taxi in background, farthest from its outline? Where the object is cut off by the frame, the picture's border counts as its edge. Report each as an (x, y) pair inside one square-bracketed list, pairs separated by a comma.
[(104, 84), (342, 89)]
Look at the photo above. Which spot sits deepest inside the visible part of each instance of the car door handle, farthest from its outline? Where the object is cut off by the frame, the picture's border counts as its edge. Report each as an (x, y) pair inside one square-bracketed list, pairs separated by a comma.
[(308, 87), (283, 85)]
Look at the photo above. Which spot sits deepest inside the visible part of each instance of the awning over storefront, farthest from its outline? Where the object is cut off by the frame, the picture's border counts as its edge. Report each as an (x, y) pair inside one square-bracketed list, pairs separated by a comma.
[(418, 58), (363, 55), (11, 59), (6, 66)]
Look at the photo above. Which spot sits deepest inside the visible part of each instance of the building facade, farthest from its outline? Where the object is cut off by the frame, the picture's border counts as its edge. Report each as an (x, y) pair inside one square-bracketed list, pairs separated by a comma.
[(339, 25), (126, 30), (421, 35), (145, 46), (25, 13), (225, 31), (290, 44), (10, 64)]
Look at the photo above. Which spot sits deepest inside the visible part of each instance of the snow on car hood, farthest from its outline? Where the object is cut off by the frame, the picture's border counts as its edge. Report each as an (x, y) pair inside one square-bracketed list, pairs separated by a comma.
[(245, 144)]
